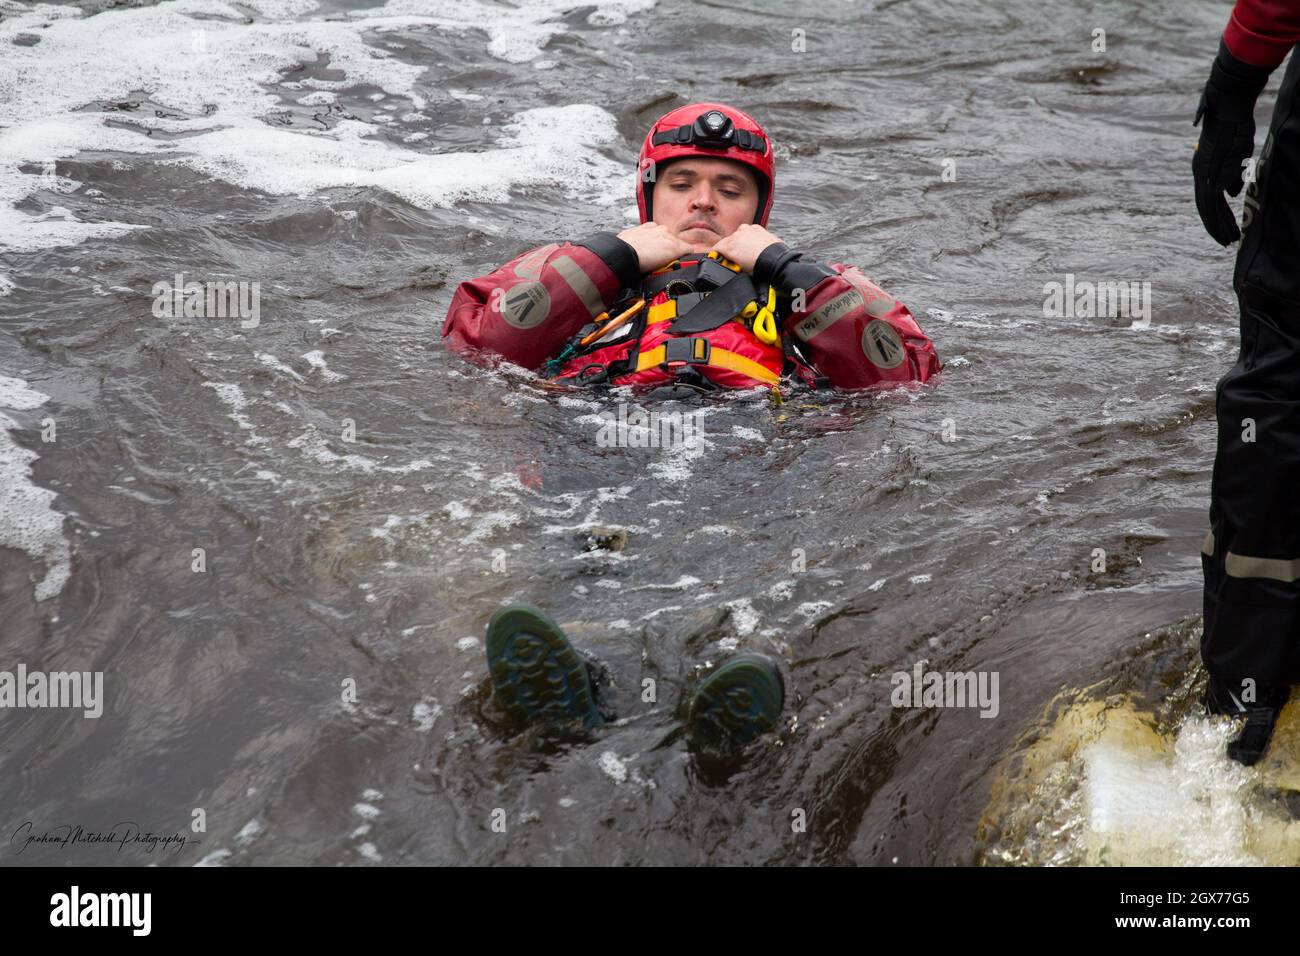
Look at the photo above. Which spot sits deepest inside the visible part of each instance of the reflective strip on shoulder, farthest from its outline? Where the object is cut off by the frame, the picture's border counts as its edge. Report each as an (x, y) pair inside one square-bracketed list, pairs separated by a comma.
[(1207, 546), (1285, 570), (529, 265), (580, 283), (827, 315)]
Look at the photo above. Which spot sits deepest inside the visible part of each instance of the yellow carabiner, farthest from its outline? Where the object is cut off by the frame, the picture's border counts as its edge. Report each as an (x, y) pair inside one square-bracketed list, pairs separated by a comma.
[(765, 319), (726, 262)]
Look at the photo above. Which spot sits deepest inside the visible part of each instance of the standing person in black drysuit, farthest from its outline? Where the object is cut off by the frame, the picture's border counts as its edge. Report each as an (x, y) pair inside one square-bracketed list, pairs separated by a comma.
[(1251, 557)]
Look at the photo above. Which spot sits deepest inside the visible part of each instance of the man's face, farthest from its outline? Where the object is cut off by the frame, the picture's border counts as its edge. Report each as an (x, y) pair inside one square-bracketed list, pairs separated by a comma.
[(703, 200)]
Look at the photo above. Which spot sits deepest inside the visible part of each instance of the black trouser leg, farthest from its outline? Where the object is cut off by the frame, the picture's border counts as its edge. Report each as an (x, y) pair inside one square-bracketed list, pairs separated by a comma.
[(1251, 558)]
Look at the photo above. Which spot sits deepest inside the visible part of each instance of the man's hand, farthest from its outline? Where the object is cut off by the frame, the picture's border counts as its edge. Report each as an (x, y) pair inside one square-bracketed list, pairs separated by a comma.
[(1227, 140), (655, 245), (745, 245)]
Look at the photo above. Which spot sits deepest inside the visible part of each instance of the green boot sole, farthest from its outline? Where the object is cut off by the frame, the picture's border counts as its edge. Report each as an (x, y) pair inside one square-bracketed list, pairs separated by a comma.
[(536, 673), (736, 703)]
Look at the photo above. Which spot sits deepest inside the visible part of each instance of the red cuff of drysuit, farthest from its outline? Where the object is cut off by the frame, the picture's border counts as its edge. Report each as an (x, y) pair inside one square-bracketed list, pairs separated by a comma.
[(1262, 32)]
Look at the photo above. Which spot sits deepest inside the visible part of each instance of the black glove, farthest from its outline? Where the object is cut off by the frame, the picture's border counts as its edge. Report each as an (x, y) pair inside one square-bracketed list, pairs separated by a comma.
[(1227, 139)]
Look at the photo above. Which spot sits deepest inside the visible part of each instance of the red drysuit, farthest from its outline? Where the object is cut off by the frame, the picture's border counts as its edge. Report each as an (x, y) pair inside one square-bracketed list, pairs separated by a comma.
[(845, 330)]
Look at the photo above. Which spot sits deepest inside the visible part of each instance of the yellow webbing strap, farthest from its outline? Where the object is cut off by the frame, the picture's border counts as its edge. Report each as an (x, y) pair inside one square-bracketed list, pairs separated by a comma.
[(663, 312), (718, 358)]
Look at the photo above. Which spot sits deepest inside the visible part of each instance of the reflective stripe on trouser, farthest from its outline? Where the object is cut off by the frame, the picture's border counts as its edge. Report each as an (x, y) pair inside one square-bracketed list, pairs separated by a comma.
[(1251, 558)]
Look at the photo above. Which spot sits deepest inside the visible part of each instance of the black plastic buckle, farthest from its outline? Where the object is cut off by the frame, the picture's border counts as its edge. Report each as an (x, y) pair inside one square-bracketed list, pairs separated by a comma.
[(691, 351), (713, 274)]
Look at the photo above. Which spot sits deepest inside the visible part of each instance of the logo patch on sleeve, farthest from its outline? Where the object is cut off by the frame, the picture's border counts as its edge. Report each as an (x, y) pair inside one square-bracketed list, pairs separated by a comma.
[(882, 345), (526, 305), (830, 313)]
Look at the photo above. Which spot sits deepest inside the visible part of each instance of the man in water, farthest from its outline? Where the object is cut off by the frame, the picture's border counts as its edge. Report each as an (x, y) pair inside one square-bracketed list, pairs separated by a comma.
[(1251, 556), (706, 184), (708, 299)]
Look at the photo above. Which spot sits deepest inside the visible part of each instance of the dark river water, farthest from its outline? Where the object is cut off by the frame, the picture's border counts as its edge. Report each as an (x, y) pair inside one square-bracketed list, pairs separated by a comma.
[(280, 542)]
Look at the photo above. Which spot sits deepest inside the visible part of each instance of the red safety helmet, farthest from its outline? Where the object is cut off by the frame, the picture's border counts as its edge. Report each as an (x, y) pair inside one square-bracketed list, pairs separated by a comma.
[(714, 131)]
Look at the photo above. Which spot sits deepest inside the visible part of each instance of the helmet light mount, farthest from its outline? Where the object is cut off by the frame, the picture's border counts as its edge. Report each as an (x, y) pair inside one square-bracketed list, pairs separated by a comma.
[(707, 130)]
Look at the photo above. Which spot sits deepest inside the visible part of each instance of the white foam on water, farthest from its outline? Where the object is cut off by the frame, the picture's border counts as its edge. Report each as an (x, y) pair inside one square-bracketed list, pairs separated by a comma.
[(676, 463), (251, 831), (28, 521), (270, 361), (215, 858), (281, 8), (781, 591), (314, 446), (813, 609), (15, 394), (613, 768), (457, 510), (316, 359), (659, 610), (489, 523), (684, 583), (199, 57), (383, 531), (1107, 784), (6, 285), (546, 146), (232, 396), (1185, 808), (743, 615), (515, 34), (424, 713)]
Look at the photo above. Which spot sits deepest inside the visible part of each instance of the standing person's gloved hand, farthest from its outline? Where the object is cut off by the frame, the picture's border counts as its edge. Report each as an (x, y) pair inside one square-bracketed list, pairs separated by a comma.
[(1227, 140)]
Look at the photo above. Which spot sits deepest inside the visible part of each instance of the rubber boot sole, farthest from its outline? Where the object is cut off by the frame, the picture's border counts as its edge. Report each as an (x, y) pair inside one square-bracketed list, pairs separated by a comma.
[(739, 701), (536, 673)]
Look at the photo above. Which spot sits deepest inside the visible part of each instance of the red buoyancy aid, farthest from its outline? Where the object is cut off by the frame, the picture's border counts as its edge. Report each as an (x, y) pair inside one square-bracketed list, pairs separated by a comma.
[(729, 356)]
